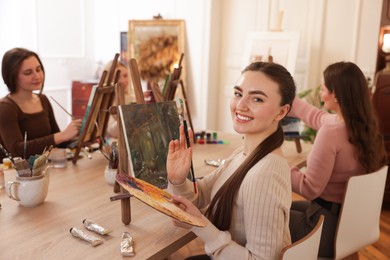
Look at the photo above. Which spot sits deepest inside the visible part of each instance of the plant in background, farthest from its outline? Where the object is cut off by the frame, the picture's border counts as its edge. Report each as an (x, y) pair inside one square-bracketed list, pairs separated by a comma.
[(313, 97)]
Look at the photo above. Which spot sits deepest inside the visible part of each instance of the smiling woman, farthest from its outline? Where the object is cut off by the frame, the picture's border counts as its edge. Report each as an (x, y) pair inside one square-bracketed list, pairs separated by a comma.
[(253, 185), (27, 122)]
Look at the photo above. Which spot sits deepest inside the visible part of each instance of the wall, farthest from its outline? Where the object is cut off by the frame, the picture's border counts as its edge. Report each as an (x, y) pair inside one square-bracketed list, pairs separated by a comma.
[(60, 38), (197, 22), (330, 31), (74, 37)]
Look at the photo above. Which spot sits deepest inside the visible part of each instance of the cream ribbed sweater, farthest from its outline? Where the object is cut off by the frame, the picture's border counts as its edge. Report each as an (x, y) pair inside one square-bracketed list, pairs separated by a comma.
[(260, 219)]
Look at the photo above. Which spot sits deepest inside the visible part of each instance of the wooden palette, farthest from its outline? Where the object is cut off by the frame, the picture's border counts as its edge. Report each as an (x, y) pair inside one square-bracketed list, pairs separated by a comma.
[(157, 199)]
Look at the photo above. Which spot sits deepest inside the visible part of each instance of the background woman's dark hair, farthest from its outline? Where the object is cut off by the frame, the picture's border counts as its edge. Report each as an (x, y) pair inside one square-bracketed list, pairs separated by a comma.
[(347, 81), (221, 206), (10, 67)]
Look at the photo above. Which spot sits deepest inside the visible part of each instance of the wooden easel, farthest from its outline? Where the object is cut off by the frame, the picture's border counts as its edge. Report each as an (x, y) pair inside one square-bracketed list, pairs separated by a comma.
[(298, 145), (97, 119), (123, 167), (123, 156), (171, 89)]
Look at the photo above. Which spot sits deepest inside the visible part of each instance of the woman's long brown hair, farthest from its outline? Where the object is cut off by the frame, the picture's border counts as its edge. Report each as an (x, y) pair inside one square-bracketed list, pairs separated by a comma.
[(348, 83), (220, 209)]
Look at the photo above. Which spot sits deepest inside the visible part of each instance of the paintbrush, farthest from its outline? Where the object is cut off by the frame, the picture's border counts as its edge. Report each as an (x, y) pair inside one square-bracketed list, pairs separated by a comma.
[(188, 142), (22, 167), (25, 145), (61, 107), (6, 153), (39, 162)]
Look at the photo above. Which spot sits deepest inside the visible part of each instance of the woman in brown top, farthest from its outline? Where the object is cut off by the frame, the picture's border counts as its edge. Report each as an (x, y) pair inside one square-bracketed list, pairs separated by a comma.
[(23, 112)]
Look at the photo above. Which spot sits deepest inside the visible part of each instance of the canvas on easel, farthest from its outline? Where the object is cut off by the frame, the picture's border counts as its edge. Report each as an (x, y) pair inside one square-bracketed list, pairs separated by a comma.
[(97, 115), (124, 161), (148, 129)]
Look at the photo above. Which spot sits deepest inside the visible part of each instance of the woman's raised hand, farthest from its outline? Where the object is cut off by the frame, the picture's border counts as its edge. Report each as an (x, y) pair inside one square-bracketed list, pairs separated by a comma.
[(179, 159)]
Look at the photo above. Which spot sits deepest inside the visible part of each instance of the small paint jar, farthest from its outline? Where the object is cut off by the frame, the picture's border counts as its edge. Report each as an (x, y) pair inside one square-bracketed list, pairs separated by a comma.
[(7, 164)]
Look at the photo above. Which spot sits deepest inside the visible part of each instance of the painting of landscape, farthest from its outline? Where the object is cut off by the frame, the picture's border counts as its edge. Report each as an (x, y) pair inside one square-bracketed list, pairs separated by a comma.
[(148, 129)]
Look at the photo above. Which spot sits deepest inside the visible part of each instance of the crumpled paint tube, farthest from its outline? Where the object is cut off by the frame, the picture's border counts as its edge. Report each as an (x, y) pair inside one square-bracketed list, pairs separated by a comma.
[(88, 224), (127, 245), (95, 241)]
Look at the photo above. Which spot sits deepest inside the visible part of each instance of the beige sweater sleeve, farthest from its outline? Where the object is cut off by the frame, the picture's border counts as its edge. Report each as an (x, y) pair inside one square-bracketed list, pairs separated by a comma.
[(260, 219)]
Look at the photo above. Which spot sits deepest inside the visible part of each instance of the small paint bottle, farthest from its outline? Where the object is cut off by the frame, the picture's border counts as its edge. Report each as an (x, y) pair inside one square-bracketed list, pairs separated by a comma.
[(7, 163), (113, 164)]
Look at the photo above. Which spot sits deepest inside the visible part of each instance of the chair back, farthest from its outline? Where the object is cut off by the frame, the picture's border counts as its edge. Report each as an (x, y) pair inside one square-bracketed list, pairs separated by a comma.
[(305, 248), (358, 224)]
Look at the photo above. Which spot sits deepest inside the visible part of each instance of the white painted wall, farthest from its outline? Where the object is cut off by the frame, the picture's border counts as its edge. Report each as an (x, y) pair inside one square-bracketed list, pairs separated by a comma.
[(331, 31), (73, 36)]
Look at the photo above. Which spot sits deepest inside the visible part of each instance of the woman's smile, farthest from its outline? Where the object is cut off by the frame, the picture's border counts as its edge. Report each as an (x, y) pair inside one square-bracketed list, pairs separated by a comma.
[(243, 118)]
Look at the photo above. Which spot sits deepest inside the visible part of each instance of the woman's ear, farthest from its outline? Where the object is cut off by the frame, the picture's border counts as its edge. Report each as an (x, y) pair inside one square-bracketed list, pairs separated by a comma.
[(333, 96), (283, 112)]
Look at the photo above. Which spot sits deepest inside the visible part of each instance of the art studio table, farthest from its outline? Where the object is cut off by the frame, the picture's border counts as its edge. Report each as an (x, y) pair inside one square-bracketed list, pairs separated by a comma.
[(80, 192)]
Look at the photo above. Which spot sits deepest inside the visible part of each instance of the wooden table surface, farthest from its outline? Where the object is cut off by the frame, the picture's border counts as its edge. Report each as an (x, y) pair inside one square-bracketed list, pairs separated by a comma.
[(80, 191), (221, 151)]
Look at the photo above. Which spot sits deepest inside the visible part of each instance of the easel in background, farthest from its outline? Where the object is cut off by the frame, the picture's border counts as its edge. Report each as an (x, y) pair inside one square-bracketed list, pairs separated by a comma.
[(170, 90), (95, 125)]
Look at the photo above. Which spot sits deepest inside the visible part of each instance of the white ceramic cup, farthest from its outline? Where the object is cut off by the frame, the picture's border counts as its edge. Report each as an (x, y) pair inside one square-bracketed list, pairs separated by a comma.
[(29, 191), (109, 175)]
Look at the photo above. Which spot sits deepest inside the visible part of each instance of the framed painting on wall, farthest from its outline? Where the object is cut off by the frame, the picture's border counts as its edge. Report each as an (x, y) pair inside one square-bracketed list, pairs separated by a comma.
[(157, 46), (278, 47)]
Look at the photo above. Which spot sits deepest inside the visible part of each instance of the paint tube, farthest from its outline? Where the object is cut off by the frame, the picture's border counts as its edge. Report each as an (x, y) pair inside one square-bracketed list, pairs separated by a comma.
[(127, 245), (88, 224), (95, 241)]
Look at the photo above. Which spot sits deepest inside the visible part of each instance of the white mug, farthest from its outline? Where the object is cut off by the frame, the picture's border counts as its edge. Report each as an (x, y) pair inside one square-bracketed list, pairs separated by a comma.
[(29, 191)]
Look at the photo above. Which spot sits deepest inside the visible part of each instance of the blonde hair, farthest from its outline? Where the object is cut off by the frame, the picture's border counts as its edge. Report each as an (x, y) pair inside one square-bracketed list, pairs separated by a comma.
[(129, 87)]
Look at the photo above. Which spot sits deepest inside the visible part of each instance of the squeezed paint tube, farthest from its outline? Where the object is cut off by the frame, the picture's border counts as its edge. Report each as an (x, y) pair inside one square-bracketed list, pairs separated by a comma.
[(88, 224), (95, 241), (127, 245)]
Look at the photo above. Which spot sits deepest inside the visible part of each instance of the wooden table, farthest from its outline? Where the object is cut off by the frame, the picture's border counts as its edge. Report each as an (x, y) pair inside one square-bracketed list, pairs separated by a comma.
[(221, 151), (80, 191)]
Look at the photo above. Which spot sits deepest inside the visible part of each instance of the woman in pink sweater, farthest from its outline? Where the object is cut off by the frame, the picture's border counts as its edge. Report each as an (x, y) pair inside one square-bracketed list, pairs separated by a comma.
[(348, 143)]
